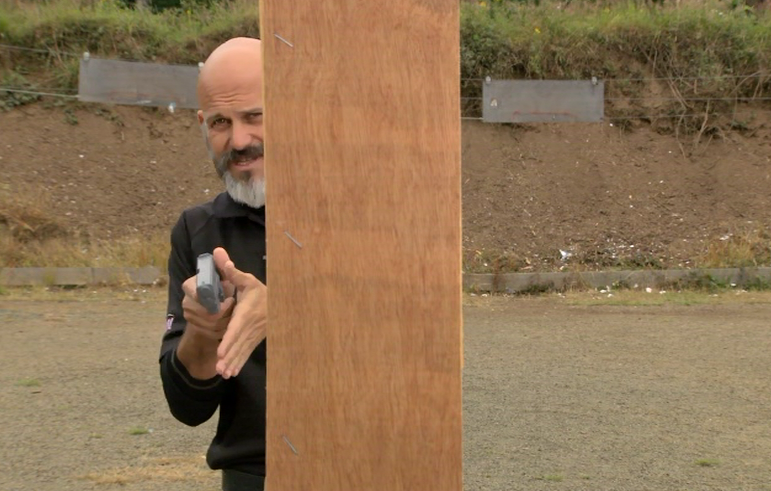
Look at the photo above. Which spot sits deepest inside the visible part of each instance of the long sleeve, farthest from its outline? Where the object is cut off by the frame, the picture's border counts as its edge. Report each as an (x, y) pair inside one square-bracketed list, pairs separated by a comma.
[(191, 401)]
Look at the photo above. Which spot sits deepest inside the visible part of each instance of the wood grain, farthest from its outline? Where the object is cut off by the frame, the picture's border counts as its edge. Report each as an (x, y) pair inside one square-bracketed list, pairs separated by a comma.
[(363, 153)]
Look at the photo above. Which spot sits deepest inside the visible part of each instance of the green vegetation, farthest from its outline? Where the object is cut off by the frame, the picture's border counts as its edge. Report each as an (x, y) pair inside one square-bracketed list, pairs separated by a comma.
[(28, 382), (712, 50), (707, 462), (727, 48), (138, 431), (551, 478)]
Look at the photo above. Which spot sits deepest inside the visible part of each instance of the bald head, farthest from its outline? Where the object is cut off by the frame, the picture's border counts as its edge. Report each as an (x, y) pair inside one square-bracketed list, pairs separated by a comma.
[(233, 69)]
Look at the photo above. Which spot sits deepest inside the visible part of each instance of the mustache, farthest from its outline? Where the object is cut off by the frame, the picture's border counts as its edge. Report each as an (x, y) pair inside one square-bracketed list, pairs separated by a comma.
[(247, 153)]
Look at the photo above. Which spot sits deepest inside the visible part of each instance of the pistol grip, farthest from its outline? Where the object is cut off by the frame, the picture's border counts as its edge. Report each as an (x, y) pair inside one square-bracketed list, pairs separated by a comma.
[(208, 297)]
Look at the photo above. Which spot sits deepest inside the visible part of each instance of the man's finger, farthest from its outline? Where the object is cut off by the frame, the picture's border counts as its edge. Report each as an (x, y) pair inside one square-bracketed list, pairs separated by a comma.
[(189, 288), (226, 306), (234, 359), (221, 257), (231, 338)]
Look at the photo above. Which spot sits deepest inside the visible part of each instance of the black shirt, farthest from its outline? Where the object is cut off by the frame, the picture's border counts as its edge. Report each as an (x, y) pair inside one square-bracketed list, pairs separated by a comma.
[(240, 439)]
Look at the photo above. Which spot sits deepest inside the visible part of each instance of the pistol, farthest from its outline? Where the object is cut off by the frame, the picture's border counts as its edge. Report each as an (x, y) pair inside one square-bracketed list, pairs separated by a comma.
[(209, 285)]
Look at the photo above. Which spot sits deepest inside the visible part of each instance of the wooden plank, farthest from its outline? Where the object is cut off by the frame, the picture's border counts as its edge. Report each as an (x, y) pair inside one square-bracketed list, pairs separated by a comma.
[(363, 183)]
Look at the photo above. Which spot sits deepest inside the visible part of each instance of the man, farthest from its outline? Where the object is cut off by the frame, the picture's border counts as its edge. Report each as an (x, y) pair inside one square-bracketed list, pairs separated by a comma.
[(219, 361)]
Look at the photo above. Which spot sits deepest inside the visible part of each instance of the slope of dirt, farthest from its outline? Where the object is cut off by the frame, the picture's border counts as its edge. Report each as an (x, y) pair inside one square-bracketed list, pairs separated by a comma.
[(600, 193)]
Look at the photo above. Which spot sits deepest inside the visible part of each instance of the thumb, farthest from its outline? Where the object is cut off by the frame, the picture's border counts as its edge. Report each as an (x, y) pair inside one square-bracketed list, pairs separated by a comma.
[(221, 258), (228, 288), (236, 277), (233, 275)]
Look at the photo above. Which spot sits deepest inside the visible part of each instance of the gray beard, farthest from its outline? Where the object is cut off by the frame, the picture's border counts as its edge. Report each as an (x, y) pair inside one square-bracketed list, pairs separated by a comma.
[(250, 193)]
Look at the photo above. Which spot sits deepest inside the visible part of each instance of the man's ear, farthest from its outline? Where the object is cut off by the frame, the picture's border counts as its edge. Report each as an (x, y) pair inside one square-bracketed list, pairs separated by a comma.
[(200, 117)]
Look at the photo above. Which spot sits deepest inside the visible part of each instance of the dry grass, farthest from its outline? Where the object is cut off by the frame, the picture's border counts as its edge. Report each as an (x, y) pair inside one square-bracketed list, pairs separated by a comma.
[(169, 469), (747, 248), (61, 253), (110, 293), (30, 236), (24, 215)]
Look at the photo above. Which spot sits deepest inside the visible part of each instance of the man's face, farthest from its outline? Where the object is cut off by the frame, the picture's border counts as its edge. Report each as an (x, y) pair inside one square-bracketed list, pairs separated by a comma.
[(235, 140), (231, 122)]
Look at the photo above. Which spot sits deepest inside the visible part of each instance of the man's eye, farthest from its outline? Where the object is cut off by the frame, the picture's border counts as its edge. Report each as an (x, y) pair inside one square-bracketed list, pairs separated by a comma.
[(253, 116), (219, 122)]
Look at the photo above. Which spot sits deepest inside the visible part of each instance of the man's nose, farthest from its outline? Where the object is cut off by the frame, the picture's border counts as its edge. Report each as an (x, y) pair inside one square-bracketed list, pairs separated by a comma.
[(242, 137)]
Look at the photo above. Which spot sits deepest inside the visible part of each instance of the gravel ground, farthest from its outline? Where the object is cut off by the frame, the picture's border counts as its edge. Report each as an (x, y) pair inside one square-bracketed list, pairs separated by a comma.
[(559, 393)]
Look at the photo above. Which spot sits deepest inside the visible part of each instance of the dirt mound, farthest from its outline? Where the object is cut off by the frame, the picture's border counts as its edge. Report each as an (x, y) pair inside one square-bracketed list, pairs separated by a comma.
[(534, 197), (108, 172), (609, 197)]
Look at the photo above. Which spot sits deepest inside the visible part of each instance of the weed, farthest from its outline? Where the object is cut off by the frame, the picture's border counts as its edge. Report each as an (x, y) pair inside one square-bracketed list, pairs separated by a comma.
[(138, 431), (28, 382), (134, 251), (18, 91), (757, 284), (491, 261), (707, 462), (25, 217), (551, 478), (110, 116), (31, 236), (151, 471), (747, 248), (70, 117)]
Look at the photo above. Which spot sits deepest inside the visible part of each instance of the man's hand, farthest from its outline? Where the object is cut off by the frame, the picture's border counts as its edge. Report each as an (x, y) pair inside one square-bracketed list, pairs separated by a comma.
[(197, 349), (247, 327), (199, 320)]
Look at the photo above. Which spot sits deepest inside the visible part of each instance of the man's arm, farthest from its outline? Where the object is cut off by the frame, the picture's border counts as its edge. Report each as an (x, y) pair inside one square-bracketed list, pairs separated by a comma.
[(192, 387)]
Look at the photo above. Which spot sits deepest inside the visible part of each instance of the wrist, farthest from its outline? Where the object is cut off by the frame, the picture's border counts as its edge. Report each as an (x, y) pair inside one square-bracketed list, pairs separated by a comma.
[(198, 353)]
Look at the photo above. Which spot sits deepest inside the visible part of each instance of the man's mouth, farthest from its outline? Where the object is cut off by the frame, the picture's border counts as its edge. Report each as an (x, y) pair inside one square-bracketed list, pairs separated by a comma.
[(245, 161)]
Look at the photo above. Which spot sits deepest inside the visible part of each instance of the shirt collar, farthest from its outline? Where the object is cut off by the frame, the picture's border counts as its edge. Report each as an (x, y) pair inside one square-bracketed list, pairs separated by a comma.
[(226, 207)]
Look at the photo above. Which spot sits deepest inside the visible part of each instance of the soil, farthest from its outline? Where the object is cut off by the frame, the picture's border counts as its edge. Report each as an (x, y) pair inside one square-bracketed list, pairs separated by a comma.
[(605, 195), (560, 392)]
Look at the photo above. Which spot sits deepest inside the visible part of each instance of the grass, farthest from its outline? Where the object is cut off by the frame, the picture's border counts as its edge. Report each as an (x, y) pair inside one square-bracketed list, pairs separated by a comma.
[(746, 248), (707, 462), (551, 478), (138, 431), (126, 252), (169, 469), (28, 382), (626, 42), (109, 293), (686, 297), (65, 29), (501, 39), (630, 298), (32, 236)]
